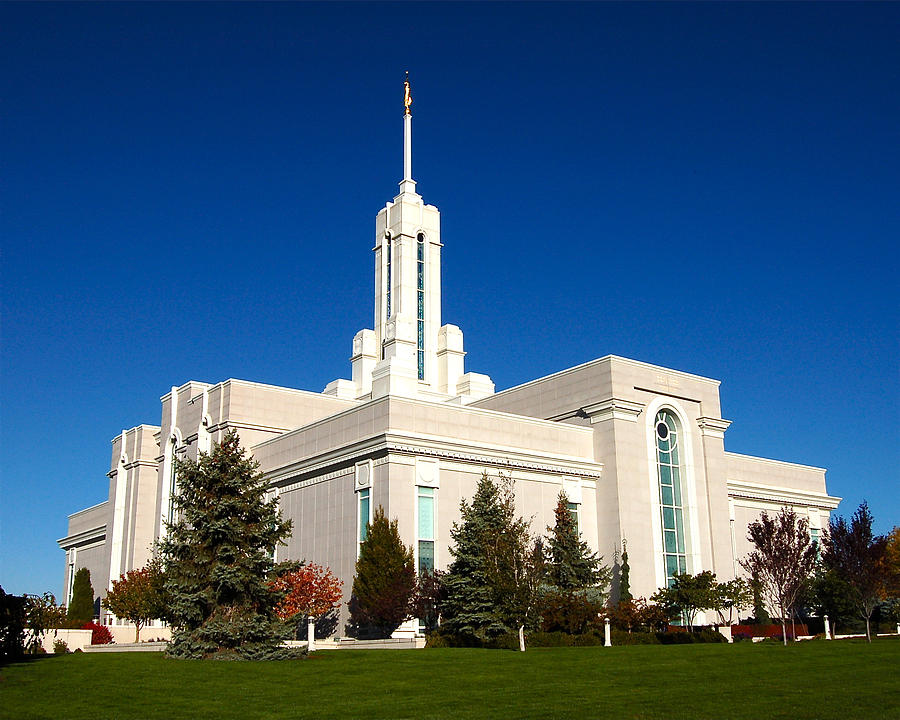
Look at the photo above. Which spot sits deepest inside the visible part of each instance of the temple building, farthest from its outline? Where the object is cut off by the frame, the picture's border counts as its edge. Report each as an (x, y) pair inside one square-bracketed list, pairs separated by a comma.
[(638, 449)]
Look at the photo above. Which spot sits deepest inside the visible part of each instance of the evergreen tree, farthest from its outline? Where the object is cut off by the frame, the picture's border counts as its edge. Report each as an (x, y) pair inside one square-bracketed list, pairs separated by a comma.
[(81, 606), (832, 596), (384, 586), (218, 558), (470, 609), (515, 565), (856, 554), (572, 565), (625, 575)]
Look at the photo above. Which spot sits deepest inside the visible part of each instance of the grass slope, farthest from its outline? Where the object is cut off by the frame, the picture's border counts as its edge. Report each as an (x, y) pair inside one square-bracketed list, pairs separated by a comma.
[(846, 679)]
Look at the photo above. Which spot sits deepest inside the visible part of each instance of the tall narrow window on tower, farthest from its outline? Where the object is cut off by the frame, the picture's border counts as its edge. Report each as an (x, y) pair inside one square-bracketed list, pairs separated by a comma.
[(420, 285), (388, 243), (668, 464)]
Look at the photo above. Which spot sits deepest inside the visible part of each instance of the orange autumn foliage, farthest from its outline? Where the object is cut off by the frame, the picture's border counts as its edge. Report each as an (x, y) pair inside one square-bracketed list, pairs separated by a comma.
[(310, 590)]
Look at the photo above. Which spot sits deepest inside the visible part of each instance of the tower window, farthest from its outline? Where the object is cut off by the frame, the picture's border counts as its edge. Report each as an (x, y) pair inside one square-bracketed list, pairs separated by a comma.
[(669, 472), (388, 274), (420, 304)]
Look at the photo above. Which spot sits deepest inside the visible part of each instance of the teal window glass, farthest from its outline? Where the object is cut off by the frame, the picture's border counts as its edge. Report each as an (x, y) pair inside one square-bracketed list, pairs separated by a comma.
[(426, 556), (426, 513), (364, 504), (425, 510), (667, 434), (573, 511)]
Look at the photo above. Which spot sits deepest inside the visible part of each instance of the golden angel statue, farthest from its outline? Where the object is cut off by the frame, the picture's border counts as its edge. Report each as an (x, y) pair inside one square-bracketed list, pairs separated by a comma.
[(407, 98)]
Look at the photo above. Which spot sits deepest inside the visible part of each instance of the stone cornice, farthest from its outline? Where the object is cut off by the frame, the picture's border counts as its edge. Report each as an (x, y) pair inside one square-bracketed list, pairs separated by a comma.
[(381, 445), (713, 427), (613, 409), (92, 535), (496, 460), (136, 463), (781, 495)]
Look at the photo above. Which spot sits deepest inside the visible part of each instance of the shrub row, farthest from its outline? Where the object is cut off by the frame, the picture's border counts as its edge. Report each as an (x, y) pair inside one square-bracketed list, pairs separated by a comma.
[(510, 641)]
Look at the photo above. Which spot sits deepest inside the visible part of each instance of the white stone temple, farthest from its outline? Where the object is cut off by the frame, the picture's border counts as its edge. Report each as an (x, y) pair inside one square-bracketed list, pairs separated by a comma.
[(639, 449)]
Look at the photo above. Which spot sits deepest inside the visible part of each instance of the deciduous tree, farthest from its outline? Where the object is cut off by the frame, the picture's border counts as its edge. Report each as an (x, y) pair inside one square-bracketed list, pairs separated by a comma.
[(385, 582), (218, 558), (690, 594), (782, 561), (856, 554), (13, 617), (891, 562), (138, 596), (430, 596), (309, 591), (42, 614), (730, 596)]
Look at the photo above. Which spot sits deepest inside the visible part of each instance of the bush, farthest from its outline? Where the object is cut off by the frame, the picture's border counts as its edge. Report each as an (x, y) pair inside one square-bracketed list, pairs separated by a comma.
[(681, 637), (550, 639), (574, 613), (620, 637), (100, 634), (60, 647)]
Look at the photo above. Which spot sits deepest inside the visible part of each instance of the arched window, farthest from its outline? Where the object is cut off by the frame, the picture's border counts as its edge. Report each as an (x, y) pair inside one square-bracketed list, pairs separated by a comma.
[(420, 303), (670, 471)]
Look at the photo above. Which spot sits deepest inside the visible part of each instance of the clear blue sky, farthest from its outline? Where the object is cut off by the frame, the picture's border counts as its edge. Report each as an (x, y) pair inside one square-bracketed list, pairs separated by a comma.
[(188, 192)]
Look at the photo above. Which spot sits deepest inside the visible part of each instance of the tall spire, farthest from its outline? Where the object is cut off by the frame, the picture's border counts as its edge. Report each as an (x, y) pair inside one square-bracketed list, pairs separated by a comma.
[(407, 184)]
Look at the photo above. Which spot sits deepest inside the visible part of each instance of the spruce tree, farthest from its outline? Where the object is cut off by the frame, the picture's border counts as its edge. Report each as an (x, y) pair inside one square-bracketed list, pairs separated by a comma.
[(572, 565), (384, 586), (81, 606), (218, 558), (470, 609)]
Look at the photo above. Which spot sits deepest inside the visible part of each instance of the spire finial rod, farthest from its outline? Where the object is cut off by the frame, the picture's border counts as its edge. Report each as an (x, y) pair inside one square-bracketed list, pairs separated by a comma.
[(407, 138)]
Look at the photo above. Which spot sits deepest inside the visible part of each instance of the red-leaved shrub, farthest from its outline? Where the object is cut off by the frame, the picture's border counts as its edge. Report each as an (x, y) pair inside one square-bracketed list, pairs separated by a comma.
[(100, 634)]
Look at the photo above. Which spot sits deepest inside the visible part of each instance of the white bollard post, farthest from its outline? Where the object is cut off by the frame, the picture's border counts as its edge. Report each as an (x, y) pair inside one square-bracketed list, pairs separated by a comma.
[(311, 634), (898, 628), (827, 629), (607, 640)]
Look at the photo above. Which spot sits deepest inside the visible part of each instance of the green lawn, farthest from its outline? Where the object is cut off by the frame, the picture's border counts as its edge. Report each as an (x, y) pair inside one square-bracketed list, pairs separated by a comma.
[(845, 679)]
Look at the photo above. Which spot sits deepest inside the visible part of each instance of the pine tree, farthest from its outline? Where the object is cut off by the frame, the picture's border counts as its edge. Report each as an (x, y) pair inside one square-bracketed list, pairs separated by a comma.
[(218, 558), (470, 609), (384, 586), (81, 606), (572, 565)]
